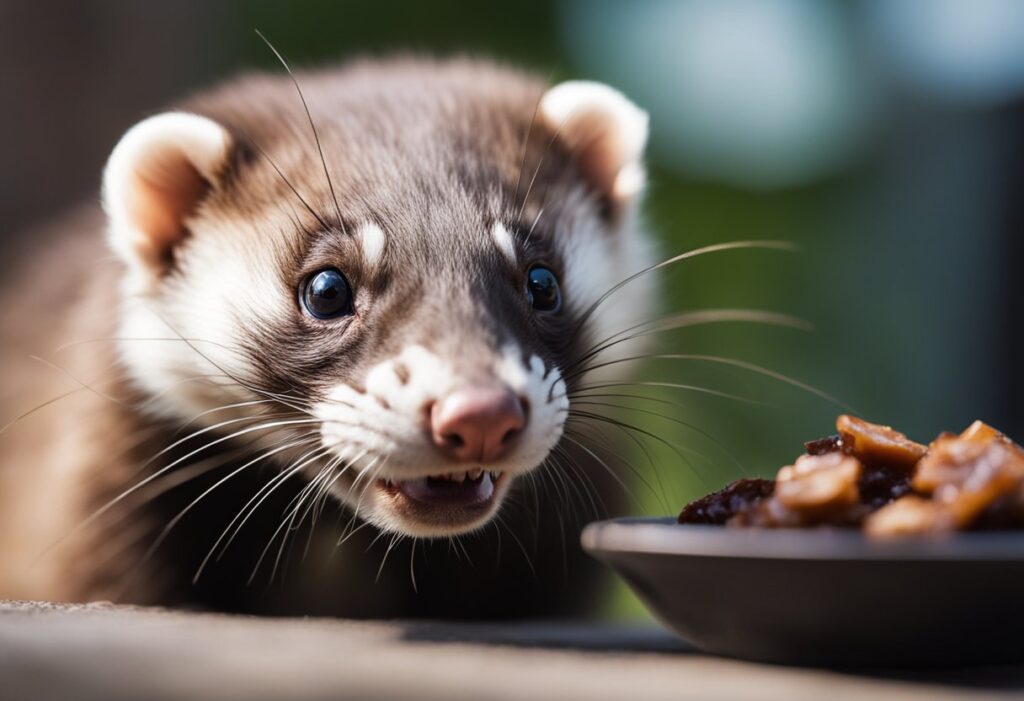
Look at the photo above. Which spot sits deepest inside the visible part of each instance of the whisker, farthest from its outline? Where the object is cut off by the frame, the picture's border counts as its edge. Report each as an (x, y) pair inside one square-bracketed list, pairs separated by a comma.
[(301, 498), (626, 428), (560, 482), (283, 399), (529, 234), (526, 144), (577, 437), (601, 462), (577, 392), (714, 248), (695, 318), (734, 362), (346, 534), (586, 488), (522, 548), (312, 126), (39, 407), (266, 490), (284, 178), (142, 339), (181, 514), (536, 171), (82, 383), (395, 538), (412, 567), (223, 407), (688, 425), (178, 478), (123, 495)]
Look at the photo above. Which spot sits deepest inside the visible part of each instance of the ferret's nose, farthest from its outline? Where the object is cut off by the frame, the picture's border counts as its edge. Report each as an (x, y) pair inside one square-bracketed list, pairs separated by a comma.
[(477, 424)]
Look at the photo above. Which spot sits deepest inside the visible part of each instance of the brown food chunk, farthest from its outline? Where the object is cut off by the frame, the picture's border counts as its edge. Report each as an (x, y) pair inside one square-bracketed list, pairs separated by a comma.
[(880, 485), (911, 514), (981, 432), (974, 480), (875, 477), (718, 507), (817, 484), (828, 444), (816, 490), (966, 476), (875, 444), (1005, 513)]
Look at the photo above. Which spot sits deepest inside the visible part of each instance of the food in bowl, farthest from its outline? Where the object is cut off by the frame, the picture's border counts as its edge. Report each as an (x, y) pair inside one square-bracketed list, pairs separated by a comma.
[(872, 477)]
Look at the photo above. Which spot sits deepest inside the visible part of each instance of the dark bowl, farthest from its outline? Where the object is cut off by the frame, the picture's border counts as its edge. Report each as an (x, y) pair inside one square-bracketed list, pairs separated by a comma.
[(828, 598)]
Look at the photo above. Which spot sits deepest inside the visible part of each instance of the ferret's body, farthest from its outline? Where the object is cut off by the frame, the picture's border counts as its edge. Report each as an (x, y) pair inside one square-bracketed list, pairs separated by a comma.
[(195, 376)]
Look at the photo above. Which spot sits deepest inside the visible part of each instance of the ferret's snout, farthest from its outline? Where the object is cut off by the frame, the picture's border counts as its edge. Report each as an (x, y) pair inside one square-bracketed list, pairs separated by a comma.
[(477, 424)]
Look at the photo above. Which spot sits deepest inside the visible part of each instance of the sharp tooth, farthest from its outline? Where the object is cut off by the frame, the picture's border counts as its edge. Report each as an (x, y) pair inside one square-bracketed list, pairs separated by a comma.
[(475, 473), (458, 477), (494, 476)]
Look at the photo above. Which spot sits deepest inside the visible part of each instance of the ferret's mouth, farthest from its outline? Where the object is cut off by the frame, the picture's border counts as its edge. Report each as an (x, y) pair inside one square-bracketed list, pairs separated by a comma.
[(453, 501)]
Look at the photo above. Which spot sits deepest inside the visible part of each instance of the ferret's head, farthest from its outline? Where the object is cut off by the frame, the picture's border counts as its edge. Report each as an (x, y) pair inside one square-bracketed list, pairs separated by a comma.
[(397, 318)]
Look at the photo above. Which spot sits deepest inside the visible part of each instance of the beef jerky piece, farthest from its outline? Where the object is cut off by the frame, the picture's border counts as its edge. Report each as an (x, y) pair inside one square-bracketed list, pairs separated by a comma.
[(874, 444), (966, 477), (906, 516), (718, 507), (828, 444), (879, 486), (819, 486)]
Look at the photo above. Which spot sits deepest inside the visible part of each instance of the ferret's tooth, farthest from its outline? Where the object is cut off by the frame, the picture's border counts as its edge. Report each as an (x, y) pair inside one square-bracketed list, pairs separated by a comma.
[(458, 477), (475, 473), (494, 475)]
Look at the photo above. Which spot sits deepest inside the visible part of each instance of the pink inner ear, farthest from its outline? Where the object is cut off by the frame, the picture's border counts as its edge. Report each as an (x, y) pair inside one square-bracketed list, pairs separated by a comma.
[(163, 193), (597, 149)]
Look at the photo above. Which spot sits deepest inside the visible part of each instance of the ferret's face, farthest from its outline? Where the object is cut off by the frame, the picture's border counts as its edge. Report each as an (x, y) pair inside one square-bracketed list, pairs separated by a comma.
[(399, 330)]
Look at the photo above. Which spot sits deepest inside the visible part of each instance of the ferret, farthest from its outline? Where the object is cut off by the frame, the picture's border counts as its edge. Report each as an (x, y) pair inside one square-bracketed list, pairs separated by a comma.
[(317, 350)]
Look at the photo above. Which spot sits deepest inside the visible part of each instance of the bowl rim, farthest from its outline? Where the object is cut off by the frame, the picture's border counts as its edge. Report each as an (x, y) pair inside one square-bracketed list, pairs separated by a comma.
[(664, 536)]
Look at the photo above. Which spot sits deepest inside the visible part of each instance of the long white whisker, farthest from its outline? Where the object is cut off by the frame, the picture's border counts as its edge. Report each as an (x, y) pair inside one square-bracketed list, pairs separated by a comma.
[(181, 514)]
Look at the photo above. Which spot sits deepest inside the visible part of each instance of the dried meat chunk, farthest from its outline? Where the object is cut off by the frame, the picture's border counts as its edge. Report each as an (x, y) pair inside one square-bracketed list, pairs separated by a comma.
[(877, 478), (908, 515), (815, 490), (816, 484), (828, 444), (876, 444), (718, 507), (880, 485)]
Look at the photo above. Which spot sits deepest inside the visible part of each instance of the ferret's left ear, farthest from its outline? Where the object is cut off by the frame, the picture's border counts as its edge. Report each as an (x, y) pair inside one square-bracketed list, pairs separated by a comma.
[(155, 178), (605, 132)]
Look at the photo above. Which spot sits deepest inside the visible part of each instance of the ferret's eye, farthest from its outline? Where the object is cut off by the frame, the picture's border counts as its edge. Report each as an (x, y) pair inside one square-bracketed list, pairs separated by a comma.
[(326, 294), (542, 289)]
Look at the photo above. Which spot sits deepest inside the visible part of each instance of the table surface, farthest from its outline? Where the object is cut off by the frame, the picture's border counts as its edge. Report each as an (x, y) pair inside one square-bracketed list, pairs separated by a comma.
[(101, 651)]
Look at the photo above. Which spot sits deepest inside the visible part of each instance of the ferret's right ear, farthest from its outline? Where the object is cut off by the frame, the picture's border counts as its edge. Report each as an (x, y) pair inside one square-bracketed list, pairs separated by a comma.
[(155, 178), (605, 132)]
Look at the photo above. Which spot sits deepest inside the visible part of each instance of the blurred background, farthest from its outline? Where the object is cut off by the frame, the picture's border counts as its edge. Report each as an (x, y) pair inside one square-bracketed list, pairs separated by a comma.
[(885, 138)]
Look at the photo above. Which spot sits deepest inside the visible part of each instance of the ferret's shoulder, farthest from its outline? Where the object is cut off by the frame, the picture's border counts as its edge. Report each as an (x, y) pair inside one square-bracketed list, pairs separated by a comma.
[(71, 244), (60, 285)]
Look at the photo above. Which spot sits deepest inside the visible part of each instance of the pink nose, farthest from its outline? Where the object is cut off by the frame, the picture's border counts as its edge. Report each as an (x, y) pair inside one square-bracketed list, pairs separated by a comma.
[(477, 424)]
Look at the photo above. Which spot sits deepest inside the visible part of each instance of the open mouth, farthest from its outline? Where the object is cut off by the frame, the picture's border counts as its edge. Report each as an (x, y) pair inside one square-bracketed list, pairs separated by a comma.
[(453, 498), (452, 489)]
